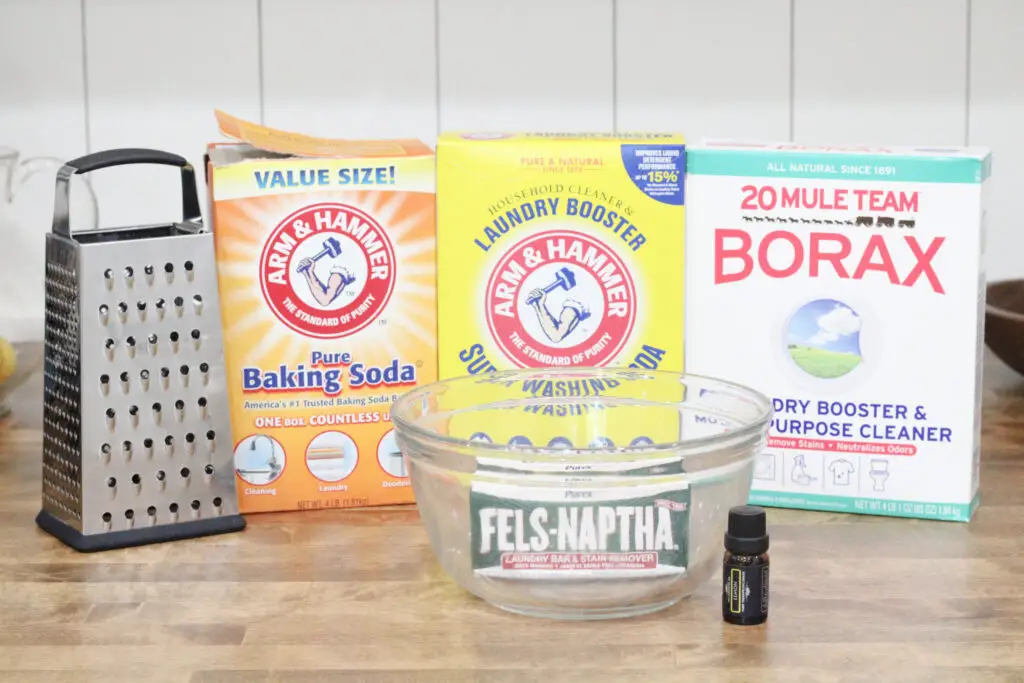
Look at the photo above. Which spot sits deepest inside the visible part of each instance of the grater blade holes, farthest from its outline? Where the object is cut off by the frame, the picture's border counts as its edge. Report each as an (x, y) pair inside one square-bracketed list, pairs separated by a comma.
[(189, 271), (108, 278), (108, 347), (161, 308), (151, 511), (173, 507), (196, 338), (104, 313), (169, 272), (129, 276), (183, 372), (111, 482), (122, 311), (148, 270), (104, 384), (197, 304), (161, 475)]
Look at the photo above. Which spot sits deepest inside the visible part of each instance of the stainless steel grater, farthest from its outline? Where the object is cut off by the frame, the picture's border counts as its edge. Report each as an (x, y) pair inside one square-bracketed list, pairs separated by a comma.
[(136, 431)]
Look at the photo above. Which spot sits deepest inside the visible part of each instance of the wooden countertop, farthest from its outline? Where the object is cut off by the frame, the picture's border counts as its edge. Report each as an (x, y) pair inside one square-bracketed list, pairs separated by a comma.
[(357, 596)]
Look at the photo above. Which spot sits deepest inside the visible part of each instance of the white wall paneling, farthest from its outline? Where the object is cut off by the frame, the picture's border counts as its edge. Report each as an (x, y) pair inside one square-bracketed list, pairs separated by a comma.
[(351, 69), (156, 71), (42, 112), (706, 69), (529, 64), (85, 75), (880, 71), (997, 121)]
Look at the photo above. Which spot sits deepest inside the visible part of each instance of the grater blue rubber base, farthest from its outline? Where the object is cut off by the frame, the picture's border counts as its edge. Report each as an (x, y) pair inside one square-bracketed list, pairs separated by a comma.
[(135, 537)]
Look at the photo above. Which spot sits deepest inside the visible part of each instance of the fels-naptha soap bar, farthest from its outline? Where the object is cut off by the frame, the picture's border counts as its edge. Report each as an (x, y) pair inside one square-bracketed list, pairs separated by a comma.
[(325, 259), (560, 250)]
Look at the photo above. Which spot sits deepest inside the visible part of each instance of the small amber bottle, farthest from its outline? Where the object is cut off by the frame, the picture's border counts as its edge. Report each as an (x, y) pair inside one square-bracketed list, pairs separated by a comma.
[(745, 567)]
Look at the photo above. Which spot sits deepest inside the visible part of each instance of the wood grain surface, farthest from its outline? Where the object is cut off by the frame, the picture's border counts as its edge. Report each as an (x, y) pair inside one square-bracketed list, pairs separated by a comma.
[(357, 596)]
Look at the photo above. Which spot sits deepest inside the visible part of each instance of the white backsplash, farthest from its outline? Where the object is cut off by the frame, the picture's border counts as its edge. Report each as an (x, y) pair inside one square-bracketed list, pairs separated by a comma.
[(85, 75)]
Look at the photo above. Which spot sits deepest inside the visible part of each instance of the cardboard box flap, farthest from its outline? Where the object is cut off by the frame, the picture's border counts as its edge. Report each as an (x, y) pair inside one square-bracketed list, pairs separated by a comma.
[(295, 144)]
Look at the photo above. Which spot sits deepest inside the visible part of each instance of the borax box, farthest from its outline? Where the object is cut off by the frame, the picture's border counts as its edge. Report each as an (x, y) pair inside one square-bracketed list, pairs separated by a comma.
[(559, 250), (325, 264), (847, 284)]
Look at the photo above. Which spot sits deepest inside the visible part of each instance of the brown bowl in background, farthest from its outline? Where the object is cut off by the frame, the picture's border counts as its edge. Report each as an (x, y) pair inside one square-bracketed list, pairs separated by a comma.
[(1004, 322)]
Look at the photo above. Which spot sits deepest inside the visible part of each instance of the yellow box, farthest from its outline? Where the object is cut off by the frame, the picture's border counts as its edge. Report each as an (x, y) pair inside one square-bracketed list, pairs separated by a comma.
[(560, 250), (326, 269)]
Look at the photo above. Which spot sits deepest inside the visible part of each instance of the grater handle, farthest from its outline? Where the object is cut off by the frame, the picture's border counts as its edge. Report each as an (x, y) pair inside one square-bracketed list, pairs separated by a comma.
[(123, 157)]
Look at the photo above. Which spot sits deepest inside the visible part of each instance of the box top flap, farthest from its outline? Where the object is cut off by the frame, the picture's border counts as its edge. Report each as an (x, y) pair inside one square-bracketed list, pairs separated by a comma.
[(482, 137), (262, 142), (708, 144)]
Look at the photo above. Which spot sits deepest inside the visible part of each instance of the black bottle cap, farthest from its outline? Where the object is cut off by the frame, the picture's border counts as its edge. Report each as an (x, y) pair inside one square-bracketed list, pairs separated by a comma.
[(747, 534)]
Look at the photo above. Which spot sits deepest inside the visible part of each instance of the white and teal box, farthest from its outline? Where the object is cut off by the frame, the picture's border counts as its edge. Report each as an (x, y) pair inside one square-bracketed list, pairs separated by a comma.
[(847, 284)]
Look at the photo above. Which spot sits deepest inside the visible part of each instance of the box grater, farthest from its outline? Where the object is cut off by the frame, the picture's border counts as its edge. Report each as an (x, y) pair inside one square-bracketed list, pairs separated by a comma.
[(136, 430)]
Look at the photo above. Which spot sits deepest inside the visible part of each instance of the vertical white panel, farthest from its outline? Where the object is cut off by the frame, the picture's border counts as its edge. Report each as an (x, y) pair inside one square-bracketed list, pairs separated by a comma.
[(997, 122), (880, 71), (42, 112), (156, 71), (528, 64), (353, 69), (707, 69)]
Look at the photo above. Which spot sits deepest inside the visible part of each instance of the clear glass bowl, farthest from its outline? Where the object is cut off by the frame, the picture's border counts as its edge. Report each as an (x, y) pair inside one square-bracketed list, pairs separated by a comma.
[(580, 493)]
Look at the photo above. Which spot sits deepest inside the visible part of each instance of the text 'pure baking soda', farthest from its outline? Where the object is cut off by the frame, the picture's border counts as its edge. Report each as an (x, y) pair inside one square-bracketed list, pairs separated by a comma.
[(847, 284), (325, 258), (560, 250)]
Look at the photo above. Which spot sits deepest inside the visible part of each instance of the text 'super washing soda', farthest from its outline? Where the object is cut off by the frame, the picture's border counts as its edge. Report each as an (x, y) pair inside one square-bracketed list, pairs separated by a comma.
[(560, 250), (325, 258), (847, 284)]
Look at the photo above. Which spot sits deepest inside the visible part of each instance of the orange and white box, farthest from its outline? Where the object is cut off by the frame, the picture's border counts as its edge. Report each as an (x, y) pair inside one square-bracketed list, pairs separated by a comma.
[(326, 269)]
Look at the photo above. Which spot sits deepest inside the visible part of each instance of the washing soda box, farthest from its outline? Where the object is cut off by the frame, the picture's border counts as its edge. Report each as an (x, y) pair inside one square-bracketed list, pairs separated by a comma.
[(560, 250), (326, 268), (848, 285)]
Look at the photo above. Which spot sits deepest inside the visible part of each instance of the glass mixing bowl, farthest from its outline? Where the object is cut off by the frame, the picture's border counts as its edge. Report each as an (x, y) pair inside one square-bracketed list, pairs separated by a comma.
[(580, 493)]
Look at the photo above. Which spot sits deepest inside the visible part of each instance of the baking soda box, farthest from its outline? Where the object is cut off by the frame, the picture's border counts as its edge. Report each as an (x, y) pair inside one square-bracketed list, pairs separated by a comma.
[(560, 250), (847, 284), (325, 259)]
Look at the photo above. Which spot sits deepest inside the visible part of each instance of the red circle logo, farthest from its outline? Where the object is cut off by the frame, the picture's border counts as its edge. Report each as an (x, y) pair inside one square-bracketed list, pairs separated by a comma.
[(327, 270), (560, 298)]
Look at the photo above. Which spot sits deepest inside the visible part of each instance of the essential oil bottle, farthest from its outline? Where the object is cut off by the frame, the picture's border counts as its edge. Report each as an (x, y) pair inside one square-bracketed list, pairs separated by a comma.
[(745, 567)]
